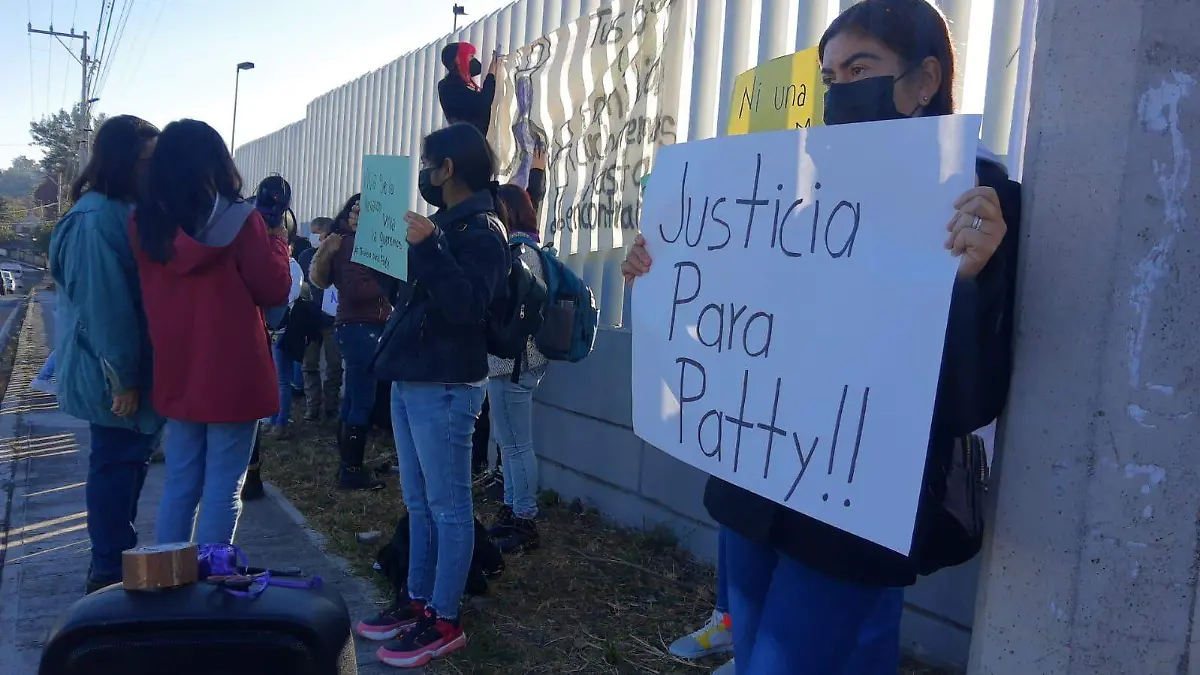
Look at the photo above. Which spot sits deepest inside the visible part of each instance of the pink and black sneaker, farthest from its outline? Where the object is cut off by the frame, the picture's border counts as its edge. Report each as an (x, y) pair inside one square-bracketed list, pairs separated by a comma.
[(432, 637), (392, 621)]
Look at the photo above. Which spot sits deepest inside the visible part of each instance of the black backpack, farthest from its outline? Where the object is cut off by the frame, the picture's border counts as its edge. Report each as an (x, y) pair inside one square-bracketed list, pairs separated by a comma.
[(487, 563), (517, 314)]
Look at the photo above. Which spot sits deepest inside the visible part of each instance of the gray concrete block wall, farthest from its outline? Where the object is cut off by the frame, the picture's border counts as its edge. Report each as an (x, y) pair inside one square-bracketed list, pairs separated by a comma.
[(583, 434)]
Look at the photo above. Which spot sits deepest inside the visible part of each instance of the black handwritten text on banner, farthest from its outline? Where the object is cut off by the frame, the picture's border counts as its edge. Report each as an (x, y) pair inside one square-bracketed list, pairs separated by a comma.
[(789, 334)]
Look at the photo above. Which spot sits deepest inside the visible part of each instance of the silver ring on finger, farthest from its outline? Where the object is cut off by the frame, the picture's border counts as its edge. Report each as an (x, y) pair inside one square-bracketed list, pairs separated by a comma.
[(976, 223)]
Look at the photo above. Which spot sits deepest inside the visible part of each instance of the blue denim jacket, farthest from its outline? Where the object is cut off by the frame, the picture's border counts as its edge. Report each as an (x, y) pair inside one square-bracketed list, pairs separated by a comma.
[(102, 340)]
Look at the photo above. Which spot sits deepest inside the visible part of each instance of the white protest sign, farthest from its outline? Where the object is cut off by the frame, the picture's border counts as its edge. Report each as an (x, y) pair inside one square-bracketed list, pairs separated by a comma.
[(600, 95), (789, 334), (329, 301)]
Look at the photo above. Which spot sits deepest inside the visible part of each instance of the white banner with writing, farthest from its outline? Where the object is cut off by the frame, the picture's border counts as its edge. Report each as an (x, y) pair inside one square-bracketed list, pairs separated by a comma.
[(600, 95), (789, 334)]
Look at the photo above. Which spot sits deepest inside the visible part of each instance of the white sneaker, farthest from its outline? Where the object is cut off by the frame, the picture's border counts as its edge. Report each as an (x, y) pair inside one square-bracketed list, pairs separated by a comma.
[(727, 669), (44, 386), (714, 638)]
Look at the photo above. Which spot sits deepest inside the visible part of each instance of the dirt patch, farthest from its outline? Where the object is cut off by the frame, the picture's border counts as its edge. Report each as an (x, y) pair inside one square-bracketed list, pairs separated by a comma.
[(593, 599)]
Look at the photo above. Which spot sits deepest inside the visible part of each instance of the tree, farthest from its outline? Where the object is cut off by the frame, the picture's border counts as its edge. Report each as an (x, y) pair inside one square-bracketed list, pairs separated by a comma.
[(23, 164), (57, 135)]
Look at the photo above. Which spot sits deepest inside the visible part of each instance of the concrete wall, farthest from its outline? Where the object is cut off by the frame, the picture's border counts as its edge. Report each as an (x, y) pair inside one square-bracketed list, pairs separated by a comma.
[(1094, 555), (583, 434)]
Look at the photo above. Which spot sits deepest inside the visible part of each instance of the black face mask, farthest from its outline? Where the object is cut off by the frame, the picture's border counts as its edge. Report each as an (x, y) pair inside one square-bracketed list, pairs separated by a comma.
[(872, 99), (429, 192), (476, 67)]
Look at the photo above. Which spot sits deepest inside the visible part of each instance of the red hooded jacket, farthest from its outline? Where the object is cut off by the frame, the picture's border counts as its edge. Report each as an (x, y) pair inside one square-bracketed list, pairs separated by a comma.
[(212, 358)]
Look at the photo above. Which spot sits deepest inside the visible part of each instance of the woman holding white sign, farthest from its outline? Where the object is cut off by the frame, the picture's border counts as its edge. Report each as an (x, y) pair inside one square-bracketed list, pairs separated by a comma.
[(806, 598)]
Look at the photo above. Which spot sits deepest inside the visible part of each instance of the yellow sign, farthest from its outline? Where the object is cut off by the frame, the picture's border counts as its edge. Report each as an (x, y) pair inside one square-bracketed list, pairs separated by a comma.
[(783, 93)]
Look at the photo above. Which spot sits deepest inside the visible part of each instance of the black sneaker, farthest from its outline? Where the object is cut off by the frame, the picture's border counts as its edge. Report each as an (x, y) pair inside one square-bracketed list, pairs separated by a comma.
[(430, 638), (357, 478), (503, 525), (392, 621), (523, 536)]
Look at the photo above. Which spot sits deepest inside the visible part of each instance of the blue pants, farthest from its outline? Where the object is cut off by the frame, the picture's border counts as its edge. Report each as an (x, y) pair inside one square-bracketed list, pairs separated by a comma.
[(789, 619), (47, 371), (116, 472), (206, 464), (284, 371), (511, 410), (433, 424), (297, 376), (357, 343)]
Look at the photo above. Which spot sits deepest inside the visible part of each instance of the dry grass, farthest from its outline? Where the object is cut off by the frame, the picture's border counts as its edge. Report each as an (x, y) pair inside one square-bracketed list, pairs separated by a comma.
[(594, 599)]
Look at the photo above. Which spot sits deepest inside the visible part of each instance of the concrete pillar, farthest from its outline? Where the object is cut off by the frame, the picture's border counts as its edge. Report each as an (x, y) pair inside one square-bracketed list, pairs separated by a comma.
[(1092, 559)]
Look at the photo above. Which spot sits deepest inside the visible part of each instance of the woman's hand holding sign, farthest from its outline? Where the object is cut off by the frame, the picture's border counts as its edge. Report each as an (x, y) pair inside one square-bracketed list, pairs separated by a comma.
[(976, 230), (637, 261), (419, 227)]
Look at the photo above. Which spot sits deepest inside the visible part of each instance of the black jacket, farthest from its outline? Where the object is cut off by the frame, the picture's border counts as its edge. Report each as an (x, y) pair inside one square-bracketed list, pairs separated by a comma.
[(972, 389), (438, 335), (460, 103)]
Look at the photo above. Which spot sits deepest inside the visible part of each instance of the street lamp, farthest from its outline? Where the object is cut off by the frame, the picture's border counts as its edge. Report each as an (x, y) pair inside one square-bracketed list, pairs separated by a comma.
[(244, 65), (459, 10)]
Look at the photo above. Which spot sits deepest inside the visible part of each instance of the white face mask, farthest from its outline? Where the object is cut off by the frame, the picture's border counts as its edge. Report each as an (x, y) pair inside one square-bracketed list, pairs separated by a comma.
[(315, 239)]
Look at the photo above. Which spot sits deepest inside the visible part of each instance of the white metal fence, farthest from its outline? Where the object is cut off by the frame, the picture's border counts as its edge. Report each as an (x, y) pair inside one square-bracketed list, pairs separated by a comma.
[(389, 110)]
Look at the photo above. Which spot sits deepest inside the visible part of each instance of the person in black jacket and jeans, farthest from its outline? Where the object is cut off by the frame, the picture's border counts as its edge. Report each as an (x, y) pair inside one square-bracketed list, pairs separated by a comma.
[(805, 597), (434, 351)]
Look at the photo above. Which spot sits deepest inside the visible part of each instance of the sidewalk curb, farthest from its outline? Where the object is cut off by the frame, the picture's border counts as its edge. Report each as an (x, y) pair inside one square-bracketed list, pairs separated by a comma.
[(343, 565)]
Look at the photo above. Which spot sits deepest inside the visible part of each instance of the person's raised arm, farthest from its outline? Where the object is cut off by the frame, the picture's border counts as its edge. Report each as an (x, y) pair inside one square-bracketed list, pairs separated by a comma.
[(263, 262)]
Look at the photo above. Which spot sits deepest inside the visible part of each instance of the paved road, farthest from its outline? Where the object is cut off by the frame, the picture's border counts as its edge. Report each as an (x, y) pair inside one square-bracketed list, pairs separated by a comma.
[(10, 301), (43, 518)]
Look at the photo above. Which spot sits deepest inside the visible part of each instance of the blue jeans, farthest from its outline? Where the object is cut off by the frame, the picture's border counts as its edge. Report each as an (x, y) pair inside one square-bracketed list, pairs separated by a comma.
[(512, 426), (433, 424), (47, 371), (297, 376), (789, 619), (357, 343), (284, 368), (116, 472), (206, 464), (722, 573)]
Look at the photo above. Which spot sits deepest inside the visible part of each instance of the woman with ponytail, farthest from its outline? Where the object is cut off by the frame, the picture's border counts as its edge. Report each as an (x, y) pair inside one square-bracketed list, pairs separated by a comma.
[(434, 352)]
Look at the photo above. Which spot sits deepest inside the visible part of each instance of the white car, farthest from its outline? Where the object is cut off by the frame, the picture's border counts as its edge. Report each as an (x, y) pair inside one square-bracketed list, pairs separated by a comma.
[(13, 280)]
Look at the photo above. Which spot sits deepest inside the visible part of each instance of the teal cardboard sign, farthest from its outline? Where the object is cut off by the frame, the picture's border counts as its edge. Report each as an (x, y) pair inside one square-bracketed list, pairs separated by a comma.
[(380, 242)]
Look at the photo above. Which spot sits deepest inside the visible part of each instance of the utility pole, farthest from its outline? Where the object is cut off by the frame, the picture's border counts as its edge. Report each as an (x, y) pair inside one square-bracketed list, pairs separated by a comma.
[(458, 10), (84, 121)]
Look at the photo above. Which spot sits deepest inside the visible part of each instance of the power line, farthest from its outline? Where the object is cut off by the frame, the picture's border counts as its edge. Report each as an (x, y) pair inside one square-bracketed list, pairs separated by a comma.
[(29, 36), (110, 59), (137, 63), (107, 29)]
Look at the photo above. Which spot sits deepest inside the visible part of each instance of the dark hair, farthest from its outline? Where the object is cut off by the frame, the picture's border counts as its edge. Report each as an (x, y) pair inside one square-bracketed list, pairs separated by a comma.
[(112, 168), (474, 161), (519, 209), (913, 29), (321, 223), (191, 167), (342, 219)]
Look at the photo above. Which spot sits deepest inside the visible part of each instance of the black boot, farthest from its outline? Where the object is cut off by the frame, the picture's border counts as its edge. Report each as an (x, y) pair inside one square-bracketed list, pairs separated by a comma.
[(522, 536), (352, 446), (504, 523), (252, 487)]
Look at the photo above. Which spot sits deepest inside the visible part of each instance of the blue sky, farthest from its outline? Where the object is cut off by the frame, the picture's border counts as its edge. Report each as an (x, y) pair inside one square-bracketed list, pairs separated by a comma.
[(177, 58)]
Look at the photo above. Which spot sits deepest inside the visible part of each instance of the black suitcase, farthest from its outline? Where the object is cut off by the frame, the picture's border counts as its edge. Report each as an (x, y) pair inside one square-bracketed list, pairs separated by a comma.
[(202, 629)]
